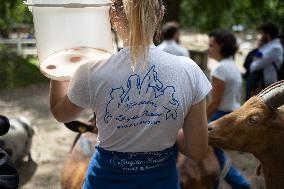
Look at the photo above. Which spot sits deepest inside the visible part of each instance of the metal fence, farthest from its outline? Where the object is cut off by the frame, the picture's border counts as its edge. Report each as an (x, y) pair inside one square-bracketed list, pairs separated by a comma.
[(23, 47), (200, 57)]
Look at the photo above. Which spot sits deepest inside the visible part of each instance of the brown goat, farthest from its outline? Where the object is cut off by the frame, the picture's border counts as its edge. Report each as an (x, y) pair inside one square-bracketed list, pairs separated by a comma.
[(202, 175), (76, 164), (192, 175), (258, 128)]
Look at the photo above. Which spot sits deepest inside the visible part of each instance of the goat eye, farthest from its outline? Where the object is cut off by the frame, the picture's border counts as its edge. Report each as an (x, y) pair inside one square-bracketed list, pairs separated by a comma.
[(253, 120)]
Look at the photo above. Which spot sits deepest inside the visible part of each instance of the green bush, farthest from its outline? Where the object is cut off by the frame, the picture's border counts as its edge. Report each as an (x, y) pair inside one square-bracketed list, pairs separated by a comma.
[(16, 71)]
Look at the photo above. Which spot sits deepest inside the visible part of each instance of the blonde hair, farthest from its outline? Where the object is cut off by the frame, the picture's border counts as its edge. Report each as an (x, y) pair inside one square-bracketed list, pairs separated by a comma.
[(144, 17)]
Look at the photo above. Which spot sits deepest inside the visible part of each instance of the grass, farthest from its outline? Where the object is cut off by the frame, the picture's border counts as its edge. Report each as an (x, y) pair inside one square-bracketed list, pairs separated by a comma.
[(34, 61), (18, 72), (28, 73)]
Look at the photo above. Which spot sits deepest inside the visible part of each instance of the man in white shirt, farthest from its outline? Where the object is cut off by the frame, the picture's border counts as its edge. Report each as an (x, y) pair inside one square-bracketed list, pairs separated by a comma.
[(170, 35), (270, 55)]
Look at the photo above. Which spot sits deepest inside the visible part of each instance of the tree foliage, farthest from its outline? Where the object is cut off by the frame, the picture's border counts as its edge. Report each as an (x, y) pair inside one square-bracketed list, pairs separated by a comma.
[(201, 15), (13, 12), (16, 71), (206, 15)]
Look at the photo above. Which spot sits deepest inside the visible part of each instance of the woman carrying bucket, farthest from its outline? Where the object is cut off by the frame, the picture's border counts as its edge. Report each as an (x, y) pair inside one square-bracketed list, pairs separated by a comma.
[(142, 97)]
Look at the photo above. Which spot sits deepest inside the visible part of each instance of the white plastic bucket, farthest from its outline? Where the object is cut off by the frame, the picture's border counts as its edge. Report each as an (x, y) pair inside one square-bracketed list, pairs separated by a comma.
[(58, 28), (66, 24)]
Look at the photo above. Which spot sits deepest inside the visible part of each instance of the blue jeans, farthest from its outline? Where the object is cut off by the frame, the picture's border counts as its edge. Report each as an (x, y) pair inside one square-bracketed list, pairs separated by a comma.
[(233, 177)]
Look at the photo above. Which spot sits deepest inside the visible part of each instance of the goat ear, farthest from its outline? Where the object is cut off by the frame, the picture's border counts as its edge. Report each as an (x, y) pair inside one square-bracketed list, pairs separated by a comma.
[(277, 120), (280, 111)]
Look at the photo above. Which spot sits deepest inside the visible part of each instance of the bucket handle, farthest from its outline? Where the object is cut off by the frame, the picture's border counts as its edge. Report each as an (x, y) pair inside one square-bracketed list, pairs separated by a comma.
[(70, 5)]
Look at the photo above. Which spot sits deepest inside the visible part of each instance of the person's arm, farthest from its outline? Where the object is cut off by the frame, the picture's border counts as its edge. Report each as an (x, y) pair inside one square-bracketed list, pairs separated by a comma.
[(249, 59), (218, 87), (69, 99), (268, 58), (62, 109), (192, 139)]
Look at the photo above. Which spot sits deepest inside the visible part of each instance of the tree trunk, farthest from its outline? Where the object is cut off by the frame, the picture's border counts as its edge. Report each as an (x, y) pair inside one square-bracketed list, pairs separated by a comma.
[(172, 10)]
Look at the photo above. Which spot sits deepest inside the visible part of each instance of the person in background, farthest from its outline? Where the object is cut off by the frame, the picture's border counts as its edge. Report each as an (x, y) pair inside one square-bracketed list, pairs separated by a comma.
[(269, 57), (170, 37), (226, 93), (253, 81), (142, 98)]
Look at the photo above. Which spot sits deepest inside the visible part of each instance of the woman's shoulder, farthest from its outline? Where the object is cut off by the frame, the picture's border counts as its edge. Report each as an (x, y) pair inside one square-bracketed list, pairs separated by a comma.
[(187, 61), (219, 70), (224, 64), (188, 64), (220, 66), (180, 62), (185, 67), (95, 65)]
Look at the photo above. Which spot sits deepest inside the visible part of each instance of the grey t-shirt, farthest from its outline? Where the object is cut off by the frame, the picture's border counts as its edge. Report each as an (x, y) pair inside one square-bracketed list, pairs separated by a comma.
[(141, 110)]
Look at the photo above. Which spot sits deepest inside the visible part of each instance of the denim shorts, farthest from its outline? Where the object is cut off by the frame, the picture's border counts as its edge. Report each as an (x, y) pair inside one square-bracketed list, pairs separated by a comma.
[(127, 170)]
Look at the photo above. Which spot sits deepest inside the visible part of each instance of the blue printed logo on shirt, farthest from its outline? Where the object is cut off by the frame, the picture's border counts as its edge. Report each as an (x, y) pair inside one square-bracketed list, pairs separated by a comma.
[(143, 101)]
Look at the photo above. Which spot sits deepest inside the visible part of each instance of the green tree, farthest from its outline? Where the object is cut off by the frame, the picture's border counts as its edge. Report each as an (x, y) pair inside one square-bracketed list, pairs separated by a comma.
[(206, 15), (12, 12)]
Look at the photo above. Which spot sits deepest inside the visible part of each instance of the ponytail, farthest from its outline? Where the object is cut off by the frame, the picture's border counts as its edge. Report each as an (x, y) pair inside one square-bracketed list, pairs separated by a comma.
[(143, 17)]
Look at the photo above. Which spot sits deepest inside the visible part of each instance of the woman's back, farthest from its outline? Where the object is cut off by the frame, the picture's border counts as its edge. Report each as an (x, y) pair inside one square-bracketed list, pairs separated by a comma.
[(140, 111)]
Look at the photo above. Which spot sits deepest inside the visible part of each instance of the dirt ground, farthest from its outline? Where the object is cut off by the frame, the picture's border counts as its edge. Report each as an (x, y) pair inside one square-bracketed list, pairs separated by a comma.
[(52, 140)]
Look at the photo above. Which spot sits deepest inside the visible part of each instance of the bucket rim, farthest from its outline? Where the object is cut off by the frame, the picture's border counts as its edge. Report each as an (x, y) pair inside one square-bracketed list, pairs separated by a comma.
[(67, 5)]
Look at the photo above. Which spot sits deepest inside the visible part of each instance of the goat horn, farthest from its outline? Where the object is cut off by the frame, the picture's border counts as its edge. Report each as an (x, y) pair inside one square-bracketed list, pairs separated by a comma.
[(273, 95)]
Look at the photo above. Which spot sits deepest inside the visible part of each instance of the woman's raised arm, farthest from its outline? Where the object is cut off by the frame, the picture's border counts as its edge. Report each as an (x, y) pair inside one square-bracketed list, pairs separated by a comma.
[(62, 109)]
